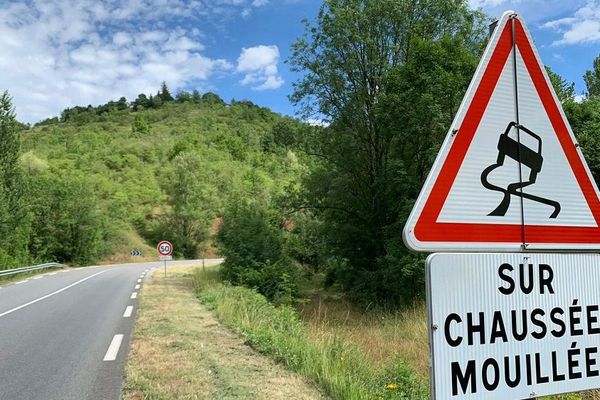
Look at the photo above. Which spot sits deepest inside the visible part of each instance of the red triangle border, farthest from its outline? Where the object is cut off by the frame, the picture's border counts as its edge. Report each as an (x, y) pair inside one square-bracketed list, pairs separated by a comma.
[(427, 229)]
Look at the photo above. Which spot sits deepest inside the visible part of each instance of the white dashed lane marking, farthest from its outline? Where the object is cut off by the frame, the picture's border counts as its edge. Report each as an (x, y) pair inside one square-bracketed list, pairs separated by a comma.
[(128, 312), (49, 295), (113, 349)]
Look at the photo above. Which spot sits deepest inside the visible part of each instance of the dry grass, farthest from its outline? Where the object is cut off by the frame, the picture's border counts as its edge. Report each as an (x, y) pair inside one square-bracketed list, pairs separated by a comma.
[(385, 338), (122, 253), (181, 351)]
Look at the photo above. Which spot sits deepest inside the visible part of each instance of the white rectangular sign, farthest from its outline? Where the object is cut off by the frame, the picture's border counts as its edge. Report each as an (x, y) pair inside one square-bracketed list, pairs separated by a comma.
[(165, 258), (513, 326)]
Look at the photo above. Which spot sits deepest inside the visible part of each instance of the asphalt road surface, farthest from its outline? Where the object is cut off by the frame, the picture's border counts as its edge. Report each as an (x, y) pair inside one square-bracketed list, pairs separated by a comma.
[(65, 334)]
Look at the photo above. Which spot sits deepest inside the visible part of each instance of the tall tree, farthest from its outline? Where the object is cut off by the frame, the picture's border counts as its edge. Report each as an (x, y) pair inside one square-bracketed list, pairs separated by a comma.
[(13, 212), (564, 90), (349, 61), (164, 93), (193, 203), (592, 78)]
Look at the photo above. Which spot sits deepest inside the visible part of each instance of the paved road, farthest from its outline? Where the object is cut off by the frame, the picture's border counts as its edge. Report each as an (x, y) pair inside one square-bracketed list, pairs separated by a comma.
[(65, 335)]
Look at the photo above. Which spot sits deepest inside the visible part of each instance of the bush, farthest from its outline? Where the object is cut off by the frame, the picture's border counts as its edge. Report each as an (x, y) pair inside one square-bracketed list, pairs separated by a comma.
[(253, 251), (66, 226)]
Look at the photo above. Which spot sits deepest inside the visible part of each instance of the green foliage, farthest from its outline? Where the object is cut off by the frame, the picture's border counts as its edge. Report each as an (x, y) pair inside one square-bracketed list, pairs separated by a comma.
[(565, 91), (139, 126), (151, 173), (194, 203), (164, 93), (334, 363), (66, 226), (585, 122), (14, 220), (592, 78), (389, 75), (212, 98), (254, 256)]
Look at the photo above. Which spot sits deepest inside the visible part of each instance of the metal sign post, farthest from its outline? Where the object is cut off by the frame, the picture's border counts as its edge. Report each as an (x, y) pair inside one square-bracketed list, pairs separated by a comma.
[(165, 249)]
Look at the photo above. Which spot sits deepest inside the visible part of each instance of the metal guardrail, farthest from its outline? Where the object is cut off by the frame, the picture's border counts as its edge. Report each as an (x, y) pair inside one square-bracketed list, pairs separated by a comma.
[(30, 268)]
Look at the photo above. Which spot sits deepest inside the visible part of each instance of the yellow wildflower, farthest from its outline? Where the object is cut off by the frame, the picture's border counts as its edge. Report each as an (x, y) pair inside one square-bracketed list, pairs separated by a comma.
[(391, 386)]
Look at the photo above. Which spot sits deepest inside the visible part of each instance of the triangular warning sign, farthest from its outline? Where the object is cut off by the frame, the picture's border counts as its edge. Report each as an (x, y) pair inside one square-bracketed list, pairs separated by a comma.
[(509, 175)]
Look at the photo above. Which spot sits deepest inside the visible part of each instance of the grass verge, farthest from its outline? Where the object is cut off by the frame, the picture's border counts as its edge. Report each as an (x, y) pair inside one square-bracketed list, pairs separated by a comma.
[(180, 351), (351, 353), (336, 364)]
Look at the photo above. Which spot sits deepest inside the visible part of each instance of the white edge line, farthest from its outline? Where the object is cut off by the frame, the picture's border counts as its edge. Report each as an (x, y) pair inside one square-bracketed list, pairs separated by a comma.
[(113, 349), (139, 281), (38, 277), (18, 283), (128, 312), (49, 295), (137, 286), (133, 295)]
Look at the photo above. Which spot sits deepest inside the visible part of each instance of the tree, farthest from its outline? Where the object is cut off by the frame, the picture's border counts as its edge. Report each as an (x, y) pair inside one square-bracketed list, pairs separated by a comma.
[(141, 102), (156, 101), (565, 91), (212, 98), (592, 78), (66, 225), (196, 97), (253, 249), (140, 125), (14, 223), (352, 60), (183, 97), (122, 104), (193, 203), (165, 94)]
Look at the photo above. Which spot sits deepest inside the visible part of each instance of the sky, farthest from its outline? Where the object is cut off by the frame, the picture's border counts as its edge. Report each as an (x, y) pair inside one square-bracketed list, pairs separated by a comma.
[(56, 54)]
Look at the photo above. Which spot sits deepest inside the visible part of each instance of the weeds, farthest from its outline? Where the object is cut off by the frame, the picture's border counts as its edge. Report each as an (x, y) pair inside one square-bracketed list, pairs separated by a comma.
[(337, 364)]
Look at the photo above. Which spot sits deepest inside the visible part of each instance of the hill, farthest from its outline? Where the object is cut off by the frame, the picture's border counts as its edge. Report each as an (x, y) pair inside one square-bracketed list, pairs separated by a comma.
[(106, 180)]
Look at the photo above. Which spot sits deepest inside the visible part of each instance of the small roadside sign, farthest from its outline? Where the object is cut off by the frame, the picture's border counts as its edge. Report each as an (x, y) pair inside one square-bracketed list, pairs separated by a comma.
[(513, 325), (510, 175), (136, 253), (164, 248)]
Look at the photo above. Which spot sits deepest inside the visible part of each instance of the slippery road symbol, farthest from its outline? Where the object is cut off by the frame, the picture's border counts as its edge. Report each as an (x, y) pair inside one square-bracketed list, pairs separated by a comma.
[(532, 159)]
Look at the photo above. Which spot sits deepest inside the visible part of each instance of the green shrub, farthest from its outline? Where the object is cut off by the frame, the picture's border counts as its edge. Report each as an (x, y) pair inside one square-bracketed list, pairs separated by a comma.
[(254, 256)]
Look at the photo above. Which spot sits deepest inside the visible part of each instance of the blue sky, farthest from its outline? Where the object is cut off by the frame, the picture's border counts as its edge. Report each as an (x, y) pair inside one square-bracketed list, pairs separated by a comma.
[(61, 53)]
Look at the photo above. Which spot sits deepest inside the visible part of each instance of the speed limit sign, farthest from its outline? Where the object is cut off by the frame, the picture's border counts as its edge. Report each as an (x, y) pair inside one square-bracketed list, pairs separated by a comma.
[(165, 248)]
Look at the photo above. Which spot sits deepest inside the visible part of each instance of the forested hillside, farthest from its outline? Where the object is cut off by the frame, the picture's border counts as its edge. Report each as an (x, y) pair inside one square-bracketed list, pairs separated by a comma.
[(101, 181)]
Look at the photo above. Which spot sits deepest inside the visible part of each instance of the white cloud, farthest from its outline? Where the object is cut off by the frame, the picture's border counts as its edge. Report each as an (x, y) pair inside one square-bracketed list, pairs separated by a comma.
[(486, 3), (583, 27), (62, 53), (259, 64), (255, 4), (317, 122)]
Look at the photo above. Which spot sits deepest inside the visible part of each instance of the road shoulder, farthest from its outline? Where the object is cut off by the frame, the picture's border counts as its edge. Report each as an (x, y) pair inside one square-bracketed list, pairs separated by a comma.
[(180, 350)]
